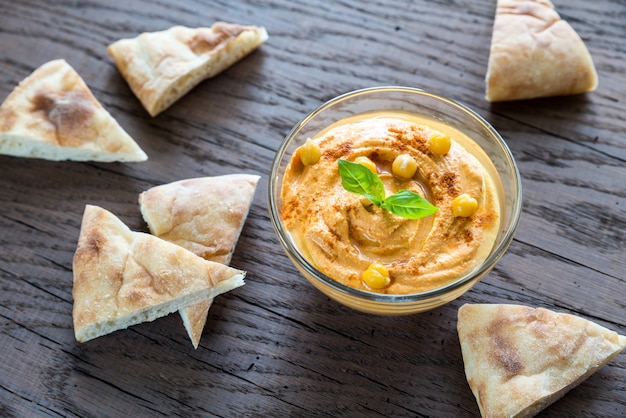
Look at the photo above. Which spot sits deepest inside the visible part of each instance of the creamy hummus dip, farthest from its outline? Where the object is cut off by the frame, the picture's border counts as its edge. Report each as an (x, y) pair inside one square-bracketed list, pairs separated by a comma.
[(342, 233)]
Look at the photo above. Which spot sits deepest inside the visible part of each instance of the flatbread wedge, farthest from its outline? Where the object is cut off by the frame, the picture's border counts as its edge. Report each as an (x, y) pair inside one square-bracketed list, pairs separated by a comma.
[(161, 67), (123, 278), (53, 115), (518, 360), (204, 215), (534, 53)]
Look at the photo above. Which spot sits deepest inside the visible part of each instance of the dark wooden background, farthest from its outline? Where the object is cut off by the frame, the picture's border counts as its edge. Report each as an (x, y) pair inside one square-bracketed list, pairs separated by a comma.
[(277, 347)]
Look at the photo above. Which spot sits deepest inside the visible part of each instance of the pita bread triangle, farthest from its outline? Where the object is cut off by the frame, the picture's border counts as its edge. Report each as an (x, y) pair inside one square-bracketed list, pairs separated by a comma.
[(204, 215), (534, 53), (161, 67), (53, 115), (123, 278), (518, 360)]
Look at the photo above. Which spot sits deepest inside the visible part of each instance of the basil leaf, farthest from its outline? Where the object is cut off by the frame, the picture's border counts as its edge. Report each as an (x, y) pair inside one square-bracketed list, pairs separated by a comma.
[(408, 204), (356, 178)]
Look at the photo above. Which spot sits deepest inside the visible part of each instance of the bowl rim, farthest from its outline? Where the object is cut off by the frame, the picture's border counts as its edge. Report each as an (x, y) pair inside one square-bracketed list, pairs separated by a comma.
[(294, 254)]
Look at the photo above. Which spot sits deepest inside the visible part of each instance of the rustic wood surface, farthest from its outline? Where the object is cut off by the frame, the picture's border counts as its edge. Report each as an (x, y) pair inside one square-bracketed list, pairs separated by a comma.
[(278, 347)]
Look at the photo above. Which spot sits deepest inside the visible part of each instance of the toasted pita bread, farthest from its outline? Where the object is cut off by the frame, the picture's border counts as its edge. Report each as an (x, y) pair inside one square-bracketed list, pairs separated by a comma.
[(122, 278), (518, 360), (161, 67), (204, 215), (534, 53), (53, 115)]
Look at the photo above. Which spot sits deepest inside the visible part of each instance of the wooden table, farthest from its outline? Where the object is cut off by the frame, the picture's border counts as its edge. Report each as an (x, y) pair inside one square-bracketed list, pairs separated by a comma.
[(278, 347)]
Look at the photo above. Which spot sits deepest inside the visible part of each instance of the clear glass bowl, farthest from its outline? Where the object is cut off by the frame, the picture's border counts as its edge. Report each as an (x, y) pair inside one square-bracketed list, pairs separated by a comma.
[(423, 103)]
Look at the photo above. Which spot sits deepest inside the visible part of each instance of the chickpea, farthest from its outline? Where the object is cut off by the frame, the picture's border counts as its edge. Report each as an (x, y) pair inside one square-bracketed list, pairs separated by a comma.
[(309, 152), (404, 166), (363, 160), (464, 205), (376, 276), (440, 143)]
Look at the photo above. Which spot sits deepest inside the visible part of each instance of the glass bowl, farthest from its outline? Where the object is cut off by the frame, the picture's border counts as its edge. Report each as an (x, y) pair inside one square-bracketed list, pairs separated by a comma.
[(426, 104)]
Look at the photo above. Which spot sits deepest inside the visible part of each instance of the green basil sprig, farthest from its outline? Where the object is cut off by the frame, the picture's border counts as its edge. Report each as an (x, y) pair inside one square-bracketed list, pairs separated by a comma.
[(358, 179)]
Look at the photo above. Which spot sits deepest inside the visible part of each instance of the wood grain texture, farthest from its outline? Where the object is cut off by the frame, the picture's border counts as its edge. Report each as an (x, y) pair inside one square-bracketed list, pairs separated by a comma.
[(277, 347)]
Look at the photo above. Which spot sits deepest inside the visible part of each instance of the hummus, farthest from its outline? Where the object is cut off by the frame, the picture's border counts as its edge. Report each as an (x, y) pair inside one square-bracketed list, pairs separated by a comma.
[(342, 233)]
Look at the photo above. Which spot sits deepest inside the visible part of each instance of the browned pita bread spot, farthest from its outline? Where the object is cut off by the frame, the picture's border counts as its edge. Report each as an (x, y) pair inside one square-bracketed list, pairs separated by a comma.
[(123, 278), (204, 215), (534, 53), (53, 115), (519, 360), (161, 67)]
